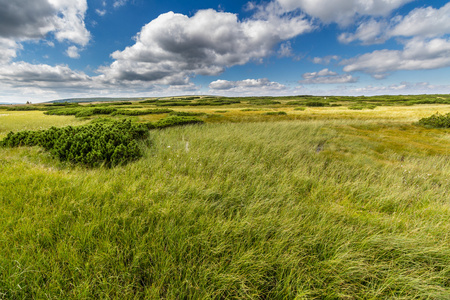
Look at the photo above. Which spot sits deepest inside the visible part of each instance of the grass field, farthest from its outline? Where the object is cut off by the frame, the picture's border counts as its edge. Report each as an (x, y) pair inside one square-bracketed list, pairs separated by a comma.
[(320, 203)]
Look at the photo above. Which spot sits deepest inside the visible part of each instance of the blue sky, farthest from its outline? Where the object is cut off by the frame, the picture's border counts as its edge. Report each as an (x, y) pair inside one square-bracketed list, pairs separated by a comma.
[(54, 49)]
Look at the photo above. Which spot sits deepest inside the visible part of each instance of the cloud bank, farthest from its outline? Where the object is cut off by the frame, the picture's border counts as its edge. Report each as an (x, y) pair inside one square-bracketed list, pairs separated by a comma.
[(174, 47)]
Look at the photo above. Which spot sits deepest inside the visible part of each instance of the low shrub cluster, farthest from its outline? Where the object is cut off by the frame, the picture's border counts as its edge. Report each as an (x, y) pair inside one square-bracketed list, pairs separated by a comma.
[(79, 112), (264, 102), (23, 108), (187, 113), (316, 104), (174, 121), (437, 121), (174, 103), (362, 106), (218, 101), (275, 113), (92, 145), (157, 111), (104, 142)]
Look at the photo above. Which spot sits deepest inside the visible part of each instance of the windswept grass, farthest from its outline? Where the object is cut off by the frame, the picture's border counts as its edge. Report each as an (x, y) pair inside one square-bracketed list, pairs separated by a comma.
[(336, 204)]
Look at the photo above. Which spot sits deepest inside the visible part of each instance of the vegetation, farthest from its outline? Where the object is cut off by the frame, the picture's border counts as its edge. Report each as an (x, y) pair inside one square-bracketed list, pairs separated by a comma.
[(330, 203), (22, 108), (437, 120), (187, 113), (276, 113), (174, 121), (81, 111), (91, 145), (362, 106), (125, 112)]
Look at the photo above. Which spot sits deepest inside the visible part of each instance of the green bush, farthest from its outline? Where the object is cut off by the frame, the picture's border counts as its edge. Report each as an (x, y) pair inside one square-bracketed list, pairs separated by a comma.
[(92, 145), (23, 108), (437, 121), (315, 104), (187, 113), (264, 102), (79, 112), (142, 112), (177, 103), (174, 121), (362, 106), (275, 113)]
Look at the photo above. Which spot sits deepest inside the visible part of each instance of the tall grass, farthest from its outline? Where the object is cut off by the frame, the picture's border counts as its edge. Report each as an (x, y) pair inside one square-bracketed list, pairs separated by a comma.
[(281, 210)]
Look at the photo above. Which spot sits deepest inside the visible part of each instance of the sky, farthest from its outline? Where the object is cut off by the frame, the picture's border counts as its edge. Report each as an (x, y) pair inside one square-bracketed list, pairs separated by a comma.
[(59, 49)]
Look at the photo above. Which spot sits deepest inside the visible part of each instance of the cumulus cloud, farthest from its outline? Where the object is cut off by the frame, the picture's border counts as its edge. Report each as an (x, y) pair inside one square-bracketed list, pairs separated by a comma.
[(426, 46), (23, 19), (417, 54), (73, 52), (100, 12), (401, 88), (427, 22), (173, 47), (342, 11), (326, 76), (40, 75), (8, 49), (371, 32), (247, 85), (424, 22), (325, 60), (119, 3), (285, 50)]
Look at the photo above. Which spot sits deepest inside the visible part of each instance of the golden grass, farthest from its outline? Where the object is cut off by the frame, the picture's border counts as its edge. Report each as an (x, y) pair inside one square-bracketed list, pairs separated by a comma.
[(33, 120)]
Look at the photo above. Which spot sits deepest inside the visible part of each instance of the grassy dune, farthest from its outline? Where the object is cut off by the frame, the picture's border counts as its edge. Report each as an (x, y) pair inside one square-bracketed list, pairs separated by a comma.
[(326, 203)]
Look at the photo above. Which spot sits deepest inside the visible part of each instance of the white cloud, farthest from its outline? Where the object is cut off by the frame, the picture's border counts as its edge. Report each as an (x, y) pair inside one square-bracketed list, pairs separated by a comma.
[(428, 47), (70, 21), (25, 74), (8, 50), (100, 12), (425, 22), (262, 85), (400, 88), (417, 54), (371, 32), (342, 11), (23, 20), (72, 52), (285, 50), (325, 60), (173, 47), (119, 3), (326, 76)]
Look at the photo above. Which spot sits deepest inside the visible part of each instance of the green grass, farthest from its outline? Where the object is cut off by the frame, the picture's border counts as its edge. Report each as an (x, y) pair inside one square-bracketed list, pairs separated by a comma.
[(338, 204)]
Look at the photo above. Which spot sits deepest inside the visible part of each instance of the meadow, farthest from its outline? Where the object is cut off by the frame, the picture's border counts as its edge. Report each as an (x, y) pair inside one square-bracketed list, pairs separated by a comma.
[(266, 198)]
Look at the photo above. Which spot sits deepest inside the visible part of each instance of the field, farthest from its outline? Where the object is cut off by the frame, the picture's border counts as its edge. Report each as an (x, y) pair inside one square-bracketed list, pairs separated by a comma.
[(345, 199)]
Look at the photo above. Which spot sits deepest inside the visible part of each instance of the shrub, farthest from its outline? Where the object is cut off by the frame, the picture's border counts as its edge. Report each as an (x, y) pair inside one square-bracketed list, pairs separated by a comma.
[(437, 121), (362, 106), (275, 113), (264, 102), (142, 112), (186, 113), (91, 145), (23, 108), (177, 103), (79, 112), (174, 121), (315, 104)]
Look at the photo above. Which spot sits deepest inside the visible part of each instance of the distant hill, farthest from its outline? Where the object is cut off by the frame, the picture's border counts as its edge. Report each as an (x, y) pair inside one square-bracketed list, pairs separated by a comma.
[(96, 100)]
